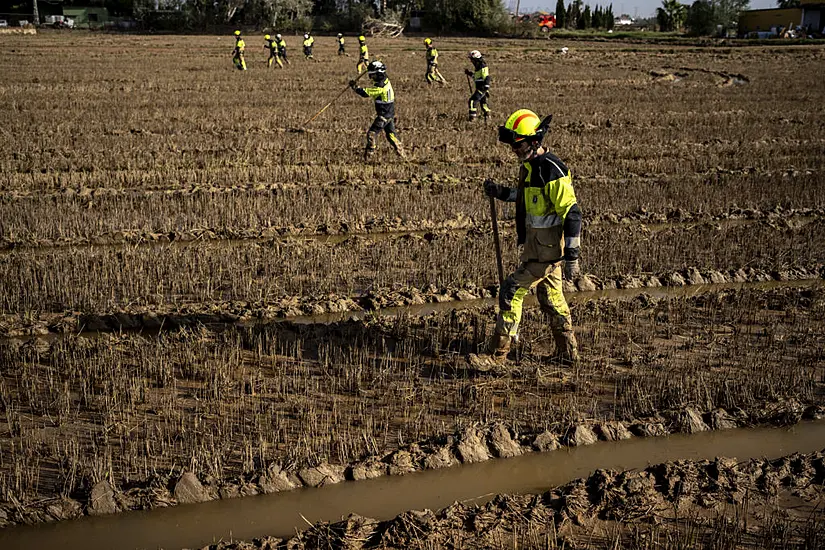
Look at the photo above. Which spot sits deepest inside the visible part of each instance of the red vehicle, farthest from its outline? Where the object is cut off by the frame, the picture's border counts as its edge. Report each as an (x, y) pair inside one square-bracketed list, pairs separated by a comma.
[(547, 22)]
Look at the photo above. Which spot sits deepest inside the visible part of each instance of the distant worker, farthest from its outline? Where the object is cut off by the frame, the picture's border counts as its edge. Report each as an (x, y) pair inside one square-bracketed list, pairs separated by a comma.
[(272, 46), (308, 42), (279, 40), (548, 224), (341, 49), (363, 55), (481, 78), (238, 52), (433, 74), (384, 97)]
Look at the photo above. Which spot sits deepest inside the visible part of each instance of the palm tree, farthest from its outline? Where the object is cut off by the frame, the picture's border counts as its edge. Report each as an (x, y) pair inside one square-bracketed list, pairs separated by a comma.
[(671, 16)]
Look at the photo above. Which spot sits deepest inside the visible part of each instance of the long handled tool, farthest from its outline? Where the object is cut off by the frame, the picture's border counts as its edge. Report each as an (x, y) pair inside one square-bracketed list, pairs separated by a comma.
[(469, 82), (325, 107), (496, 240)]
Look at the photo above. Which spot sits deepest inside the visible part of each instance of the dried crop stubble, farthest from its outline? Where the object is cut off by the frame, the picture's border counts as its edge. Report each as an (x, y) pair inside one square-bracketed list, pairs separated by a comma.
[(223, 405), (218, 128), (107, 279)]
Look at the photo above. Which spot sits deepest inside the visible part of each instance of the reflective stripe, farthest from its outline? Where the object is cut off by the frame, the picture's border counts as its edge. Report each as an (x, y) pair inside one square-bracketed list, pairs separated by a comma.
[(543, 222), (572, 242)]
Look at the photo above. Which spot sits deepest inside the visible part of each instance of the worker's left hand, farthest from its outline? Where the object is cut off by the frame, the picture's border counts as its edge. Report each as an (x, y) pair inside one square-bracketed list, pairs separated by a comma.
[(468, 72), (352, 84), (571, 270)]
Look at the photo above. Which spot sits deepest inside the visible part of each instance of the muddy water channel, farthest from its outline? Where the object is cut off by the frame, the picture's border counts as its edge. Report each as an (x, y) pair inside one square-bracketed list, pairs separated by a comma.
[(383, 498)]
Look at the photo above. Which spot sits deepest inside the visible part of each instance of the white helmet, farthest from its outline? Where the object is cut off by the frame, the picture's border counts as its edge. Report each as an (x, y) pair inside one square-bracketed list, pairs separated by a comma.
[(278, 36), (306, 35), (475, 54)]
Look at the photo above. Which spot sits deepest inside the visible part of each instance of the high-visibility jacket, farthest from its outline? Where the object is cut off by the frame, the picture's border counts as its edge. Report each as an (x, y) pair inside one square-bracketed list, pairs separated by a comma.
[(432, 56), (384, 97), (341, 43), (281, 46), (309, 42), (546, 209), (365, 54), (272, 45), (240, 45), (481, 77)]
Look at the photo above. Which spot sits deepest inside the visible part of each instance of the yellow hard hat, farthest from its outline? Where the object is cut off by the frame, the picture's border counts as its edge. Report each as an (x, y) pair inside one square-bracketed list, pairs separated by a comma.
[(361, 38), (266, 37), (523, 124), (428, 41), (237, 33)]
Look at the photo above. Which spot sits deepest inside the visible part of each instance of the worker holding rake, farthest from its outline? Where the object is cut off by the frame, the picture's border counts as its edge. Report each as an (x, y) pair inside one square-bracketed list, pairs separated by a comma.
[(384, 97), (548, 224)]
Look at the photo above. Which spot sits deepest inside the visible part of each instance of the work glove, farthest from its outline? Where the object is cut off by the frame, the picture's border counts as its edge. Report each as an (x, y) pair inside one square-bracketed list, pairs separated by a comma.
[(352, 84), (495, 190), (468, 72), (571, 268)]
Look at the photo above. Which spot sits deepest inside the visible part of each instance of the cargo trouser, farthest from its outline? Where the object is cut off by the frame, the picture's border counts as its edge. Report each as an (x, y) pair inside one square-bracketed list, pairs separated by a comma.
[(479, 97), (388, 126), (546, 278)]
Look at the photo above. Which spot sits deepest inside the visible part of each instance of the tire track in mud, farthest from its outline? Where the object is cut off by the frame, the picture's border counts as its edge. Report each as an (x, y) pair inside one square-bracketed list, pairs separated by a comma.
[(413, 302), (386, 229)]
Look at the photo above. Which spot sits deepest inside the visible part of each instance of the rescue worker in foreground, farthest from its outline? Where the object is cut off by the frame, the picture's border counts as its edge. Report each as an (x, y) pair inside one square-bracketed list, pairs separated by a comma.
[(481, 78), (272, 46), (363, 55), (384, 97), (279, 40), (341, 49), (548, 223), (308, 42), (238, 52), (433, 75)]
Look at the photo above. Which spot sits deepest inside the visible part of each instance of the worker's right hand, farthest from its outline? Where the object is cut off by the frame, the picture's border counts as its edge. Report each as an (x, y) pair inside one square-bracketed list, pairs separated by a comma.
[(493, 189), (352, 84), (468, 72)]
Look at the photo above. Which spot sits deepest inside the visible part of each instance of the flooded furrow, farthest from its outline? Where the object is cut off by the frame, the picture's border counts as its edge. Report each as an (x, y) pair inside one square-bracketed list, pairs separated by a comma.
[(173, 321), (282, 514)]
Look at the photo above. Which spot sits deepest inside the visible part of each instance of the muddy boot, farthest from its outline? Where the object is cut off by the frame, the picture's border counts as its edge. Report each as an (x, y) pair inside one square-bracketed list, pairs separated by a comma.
[(567, 349), (494, 361)]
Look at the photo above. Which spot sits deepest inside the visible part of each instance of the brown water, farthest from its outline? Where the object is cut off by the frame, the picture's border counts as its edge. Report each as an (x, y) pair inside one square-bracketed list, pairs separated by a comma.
[(198, 525)]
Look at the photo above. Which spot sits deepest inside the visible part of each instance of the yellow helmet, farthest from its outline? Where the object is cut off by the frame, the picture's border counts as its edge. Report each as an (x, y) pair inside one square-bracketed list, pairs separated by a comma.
[(522, 125), (266, 37), (237, 33), (362, 38), (428, 41)]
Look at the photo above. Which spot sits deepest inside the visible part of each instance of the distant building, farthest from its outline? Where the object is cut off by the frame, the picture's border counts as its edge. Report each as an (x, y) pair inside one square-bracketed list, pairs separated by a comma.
[(624, 19), (87, 17), (808, 16)]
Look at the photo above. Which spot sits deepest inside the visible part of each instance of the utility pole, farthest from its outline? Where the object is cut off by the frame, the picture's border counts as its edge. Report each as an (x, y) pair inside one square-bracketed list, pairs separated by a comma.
[(518, 3), (36, 14)]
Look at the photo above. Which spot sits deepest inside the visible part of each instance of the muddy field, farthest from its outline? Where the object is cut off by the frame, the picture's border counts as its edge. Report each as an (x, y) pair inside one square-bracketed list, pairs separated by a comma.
[(194, 287)]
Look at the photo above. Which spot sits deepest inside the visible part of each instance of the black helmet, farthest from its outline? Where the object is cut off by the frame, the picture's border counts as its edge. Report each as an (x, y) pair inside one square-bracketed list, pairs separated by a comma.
[(377, 70)]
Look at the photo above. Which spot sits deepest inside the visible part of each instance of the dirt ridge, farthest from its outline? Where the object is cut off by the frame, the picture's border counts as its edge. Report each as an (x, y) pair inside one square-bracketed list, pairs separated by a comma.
[(171, 317), (474, 443)]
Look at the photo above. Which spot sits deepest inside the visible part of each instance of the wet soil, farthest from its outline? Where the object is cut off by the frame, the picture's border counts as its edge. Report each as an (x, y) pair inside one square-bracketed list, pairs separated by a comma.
[(720, 502), (475, 486), (390, 395)]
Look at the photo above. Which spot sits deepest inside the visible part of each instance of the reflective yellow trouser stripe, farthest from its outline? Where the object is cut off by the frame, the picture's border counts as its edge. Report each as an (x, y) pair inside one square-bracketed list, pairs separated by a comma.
[(512, 318)]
